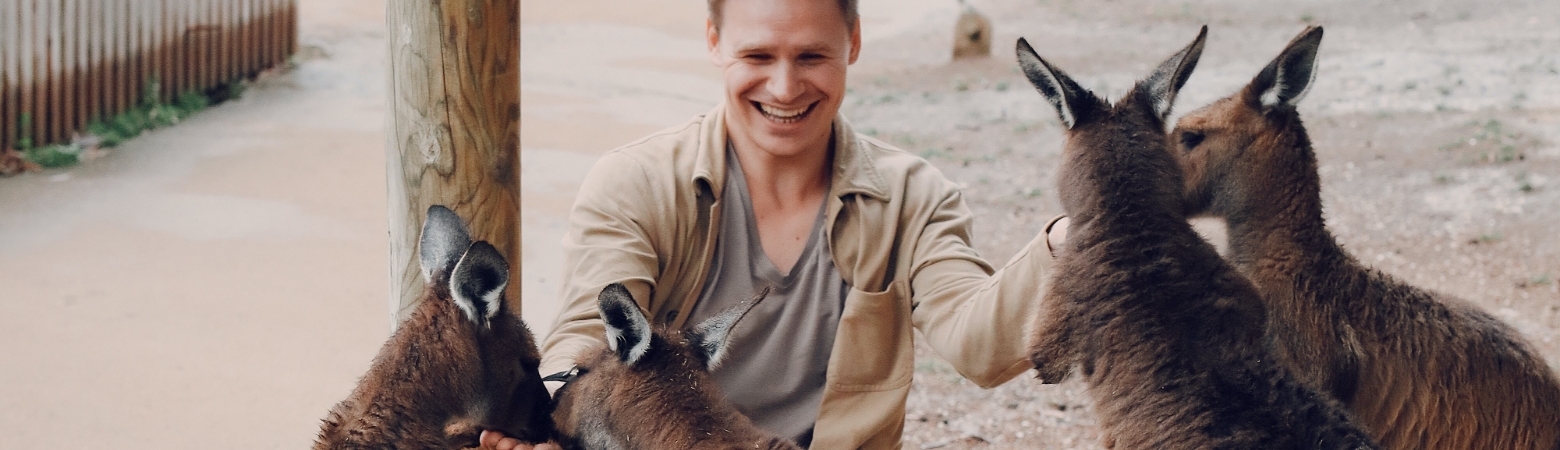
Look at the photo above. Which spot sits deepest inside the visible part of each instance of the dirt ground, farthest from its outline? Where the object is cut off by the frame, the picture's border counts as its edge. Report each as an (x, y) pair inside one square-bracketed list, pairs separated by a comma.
[(222, 282)]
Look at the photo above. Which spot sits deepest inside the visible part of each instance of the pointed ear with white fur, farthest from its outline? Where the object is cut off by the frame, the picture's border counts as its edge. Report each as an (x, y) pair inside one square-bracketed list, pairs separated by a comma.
[(443, 239), (1166, 81), (628, 330), (478, 281), (1072, 102), (1288, 77), (710, 337)]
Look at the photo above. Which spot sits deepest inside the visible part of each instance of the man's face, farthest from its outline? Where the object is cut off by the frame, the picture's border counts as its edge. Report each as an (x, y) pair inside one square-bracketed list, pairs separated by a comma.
[(784, 62)]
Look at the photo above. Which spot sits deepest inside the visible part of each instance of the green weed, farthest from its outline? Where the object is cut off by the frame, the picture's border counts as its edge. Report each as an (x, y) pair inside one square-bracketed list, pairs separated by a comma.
[(149, 113)]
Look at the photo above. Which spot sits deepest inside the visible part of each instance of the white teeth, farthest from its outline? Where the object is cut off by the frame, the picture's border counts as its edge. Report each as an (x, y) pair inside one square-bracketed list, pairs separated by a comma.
[(782, 113)]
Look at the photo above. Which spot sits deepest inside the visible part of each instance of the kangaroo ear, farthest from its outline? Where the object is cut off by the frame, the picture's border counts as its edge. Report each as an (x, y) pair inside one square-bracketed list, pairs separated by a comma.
[(628, 330), (478, 281), (444, 238), (711, 336), (1287, 79), (1072, 102), (1162, 85)]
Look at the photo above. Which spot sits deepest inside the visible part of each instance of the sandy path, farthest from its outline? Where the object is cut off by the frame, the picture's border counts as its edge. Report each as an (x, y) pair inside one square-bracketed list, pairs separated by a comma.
[(218, 284)]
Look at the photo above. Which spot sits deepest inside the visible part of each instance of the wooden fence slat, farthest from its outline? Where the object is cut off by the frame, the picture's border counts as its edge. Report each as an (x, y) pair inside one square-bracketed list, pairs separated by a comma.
[(153, 48), (122, 64), (224, 48), (94, 39), (244, 63), (38, 111), (246, 39), (51, 28), (165, 51), (66, 67), (143, 58), (263, 29), (34, 52), (8, 101), (290, 38), (8, 15), (77, 30), (212, 23), (107, 66), (230, 36), (213, 44), (181, 38)]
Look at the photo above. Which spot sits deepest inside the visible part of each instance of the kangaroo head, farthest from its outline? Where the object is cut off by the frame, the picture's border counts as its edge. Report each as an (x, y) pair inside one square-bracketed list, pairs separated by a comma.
[(1244, 142), (496, 367), (1100, 134), (642, 371)]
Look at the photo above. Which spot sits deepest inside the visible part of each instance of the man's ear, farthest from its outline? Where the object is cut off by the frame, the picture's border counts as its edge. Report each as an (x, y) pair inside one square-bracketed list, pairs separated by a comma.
[(712, 41), (855, 41)]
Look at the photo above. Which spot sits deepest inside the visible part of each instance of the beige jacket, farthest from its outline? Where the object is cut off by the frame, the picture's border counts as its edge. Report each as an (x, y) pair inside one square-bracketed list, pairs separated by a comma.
[(900, 234)]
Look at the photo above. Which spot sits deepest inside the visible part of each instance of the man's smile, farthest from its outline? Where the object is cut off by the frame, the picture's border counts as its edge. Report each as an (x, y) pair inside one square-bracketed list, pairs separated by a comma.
[(784, 115)]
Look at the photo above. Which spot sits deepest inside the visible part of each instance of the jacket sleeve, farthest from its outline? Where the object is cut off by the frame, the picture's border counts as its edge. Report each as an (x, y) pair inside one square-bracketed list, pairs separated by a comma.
[(975, 319), (607, 243)]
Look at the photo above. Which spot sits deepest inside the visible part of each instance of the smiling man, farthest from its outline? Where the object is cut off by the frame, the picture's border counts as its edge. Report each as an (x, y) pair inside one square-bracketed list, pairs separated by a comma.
[(857, 241)]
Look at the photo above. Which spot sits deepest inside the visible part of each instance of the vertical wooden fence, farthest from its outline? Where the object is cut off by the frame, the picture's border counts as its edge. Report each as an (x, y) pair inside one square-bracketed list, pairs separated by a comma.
[(67, 63)]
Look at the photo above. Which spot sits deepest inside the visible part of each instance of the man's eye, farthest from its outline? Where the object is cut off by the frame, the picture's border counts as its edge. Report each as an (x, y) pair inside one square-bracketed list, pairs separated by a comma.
[(1190, 139)]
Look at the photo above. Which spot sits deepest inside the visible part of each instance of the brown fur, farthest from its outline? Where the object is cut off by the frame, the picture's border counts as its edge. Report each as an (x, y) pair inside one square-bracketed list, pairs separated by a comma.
[(1419, 369), (1170, 338), (442, 378), (664, 400)]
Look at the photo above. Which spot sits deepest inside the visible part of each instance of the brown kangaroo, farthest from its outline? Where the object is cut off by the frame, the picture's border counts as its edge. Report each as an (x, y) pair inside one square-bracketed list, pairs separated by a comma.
[(460, 364), (651, 389), (1419, 369), (1171, 339)]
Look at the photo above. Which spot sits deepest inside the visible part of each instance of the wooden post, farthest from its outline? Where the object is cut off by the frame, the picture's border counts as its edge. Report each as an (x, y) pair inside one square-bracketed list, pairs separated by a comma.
[(454, 130)]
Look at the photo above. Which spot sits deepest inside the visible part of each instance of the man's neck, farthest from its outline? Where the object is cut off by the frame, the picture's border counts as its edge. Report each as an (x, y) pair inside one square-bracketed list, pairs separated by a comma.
[(786, 181)]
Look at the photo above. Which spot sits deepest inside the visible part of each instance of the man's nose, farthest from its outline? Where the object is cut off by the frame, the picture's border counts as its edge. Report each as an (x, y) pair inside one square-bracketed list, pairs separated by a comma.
[(785, 83)]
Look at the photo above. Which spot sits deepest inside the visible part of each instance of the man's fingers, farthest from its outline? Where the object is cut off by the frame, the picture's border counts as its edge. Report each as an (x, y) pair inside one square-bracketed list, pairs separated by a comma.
[(493, 440)]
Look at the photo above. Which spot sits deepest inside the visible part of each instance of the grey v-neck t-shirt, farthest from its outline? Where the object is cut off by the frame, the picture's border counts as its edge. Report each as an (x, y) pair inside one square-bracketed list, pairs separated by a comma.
[(778, 355)]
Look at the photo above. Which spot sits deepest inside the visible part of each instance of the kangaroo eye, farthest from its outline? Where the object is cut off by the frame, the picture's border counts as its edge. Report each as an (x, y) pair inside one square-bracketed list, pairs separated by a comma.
[(1190, 139)]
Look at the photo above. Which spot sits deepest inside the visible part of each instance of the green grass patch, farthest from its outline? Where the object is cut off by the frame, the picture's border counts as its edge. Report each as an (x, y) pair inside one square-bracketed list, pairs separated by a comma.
[(149, 113)]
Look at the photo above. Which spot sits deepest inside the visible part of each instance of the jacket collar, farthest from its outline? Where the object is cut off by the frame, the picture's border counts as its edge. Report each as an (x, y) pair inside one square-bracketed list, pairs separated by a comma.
[(855, 170)]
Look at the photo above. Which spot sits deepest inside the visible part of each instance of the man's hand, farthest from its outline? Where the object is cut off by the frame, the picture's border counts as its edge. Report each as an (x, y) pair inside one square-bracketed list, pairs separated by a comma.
[(493, 440)]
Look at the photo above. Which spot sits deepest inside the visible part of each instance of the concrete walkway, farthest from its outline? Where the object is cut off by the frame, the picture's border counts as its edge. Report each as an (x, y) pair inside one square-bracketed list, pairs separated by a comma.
[(217, 284)]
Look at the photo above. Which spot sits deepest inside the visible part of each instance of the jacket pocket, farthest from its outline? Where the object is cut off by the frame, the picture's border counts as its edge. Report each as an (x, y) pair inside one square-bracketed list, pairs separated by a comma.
[(873, 349)]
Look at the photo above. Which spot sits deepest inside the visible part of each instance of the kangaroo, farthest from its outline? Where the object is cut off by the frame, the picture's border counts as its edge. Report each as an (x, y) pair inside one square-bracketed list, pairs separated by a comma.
[(1419, 369), (651, 389), (459, 365), (1169, 337)]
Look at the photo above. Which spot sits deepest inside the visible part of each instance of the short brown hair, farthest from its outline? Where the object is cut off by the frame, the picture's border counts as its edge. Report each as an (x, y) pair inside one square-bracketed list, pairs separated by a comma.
[(847, 8)]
